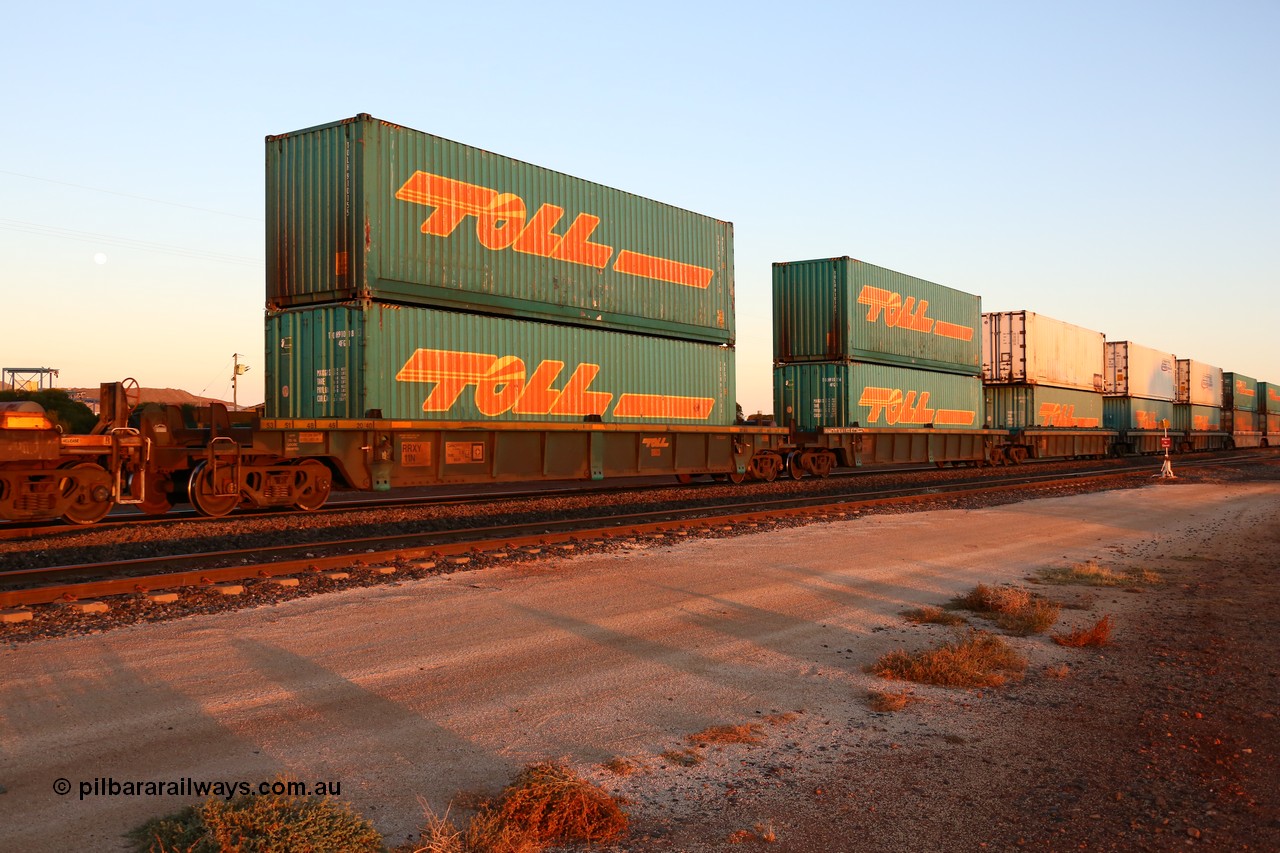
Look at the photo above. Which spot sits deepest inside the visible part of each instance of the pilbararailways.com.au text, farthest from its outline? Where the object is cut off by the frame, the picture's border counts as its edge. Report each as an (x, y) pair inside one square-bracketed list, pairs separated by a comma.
[(187, 787)]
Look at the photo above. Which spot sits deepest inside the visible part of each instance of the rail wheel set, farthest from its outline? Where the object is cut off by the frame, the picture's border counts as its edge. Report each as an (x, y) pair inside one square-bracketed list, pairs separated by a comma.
[(440, 314)]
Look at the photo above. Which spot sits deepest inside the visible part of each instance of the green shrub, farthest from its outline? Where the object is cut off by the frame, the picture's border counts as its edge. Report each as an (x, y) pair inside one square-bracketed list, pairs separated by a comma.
[(260, 824)]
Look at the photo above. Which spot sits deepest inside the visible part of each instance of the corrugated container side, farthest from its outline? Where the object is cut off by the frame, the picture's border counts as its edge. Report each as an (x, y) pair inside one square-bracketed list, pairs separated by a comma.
[(1199, 383), (1025, 348), (815, 395), (1241, 420), (366, 209), (1132, 370), (1028, 406), (1239, 392), (342, 361), (1136, 413), (841, 309), (1192, 417), (1271, 424), (1269, 397)]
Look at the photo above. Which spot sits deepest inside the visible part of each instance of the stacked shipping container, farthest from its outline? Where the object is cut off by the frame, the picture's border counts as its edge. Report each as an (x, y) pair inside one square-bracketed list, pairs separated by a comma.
[(1240, 409), (1140, 385), (856, 345), (407, 272), (1040, 372), (1269, 412), (1198, 408)]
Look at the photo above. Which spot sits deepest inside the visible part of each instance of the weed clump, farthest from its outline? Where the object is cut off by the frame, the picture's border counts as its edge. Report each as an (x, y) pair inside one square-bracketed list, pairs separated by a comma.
[(977, 659), (930, 615), (1090, 573), (262, 823), (886, 701), (546, 804), (1016, 610), (1097, 634), (745, 733)]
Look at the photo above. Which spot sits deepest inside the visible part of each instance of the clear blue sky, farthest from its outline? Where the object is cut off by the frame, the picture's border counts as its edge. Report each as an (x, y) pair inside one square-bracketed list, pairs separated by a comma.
[(1111, 164)]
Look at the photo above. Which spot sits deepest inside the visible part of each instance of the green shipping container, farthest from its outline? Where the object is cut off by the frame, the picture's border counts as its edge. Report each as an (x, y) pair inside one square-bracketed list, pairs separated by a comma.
[(816, 395), (412, 363), (1033, 406), (1269, 398), (365, 209), (1136, 413), (1239, 392), (1241, 420), (841, 309), (1197, 418)]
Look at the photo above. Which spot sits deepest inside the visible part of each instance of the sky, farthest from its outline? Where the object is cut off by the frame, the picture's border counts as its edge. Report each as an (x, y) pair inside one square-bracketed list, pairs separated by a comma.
[(1110, 164)]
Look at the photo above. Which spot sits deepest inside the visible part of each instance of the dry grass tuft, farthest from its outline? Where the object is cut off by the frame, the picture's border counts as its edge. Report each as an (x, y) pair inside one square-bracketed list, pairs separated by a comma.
[(621, 766), (1098, 634), (546, 804), (1090, 573), (683, 757), (886, 701), (1060, 671), (930, 615), (1016, 610), (552, 802), (781, 719), (978, 659), (745, 733)]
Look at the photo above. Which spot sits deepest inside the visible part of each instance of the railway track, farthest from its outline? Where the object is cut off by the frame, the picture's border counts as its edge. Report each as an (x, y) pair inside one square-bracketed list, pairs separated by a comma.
[(17, 531), (442, 549)]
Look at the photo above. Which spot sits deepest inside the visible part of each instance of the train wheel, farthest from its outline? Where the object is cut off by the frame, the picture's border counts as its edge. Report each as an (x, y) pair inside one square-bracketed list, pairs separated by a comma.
[(203, 494), (156, 499), (316, 481), (794, 468), (1017, 454), (737, 478), (88, 503), (684, 479)]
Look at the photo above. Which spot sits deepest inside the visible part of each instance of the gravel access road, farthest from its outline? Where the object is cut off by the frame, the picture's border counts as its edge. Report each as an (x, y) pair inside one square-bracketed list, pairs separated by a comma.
[(450, 684)]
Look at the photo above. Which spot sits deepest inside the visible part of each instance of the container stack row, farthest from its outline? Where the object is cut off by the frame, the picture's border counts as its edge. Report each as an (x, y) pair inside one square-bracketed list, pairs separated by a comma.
[(857, 345), (412, 277)]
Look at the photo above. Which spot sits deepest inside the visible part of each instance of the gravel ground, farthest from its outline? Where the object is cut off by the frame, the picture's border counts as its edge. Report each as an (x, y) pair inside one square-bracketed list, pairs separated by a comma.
[(1165, 739), (124, 543)]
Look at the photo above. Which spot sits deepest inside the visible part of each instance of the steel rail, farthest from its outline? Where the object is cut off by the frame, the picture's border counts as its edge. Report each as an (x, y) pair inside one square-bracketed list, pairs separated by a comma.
[(150, 574), (197, 569)]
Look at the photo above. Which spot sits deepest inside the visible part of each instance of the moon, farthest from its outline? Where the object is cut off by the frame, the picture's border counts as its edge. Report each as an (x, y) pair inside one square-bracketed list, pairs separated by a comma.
[(100, 258)]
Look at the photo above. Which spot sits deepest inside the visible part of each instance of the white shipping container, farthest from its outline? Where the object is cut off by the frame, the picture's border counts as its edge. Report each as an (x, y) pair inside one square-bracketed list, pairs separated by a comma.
[(1199, 384), (1025, 348), (1132, 370)]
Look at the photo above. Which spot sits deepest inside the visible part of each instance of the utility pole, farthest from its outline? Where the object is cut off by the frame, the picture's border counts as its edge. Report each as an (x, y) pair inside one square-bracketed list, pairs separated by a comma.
[(235, 376)]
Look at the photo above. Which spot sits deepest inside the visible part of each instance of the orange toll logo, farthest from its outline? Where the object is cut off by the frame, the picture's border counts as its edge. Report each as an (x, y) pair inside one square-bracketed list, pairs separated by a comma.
[(1244, 389), (504, 384), (503, 222), (896, 406), (1064, 415), (899, 313)]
